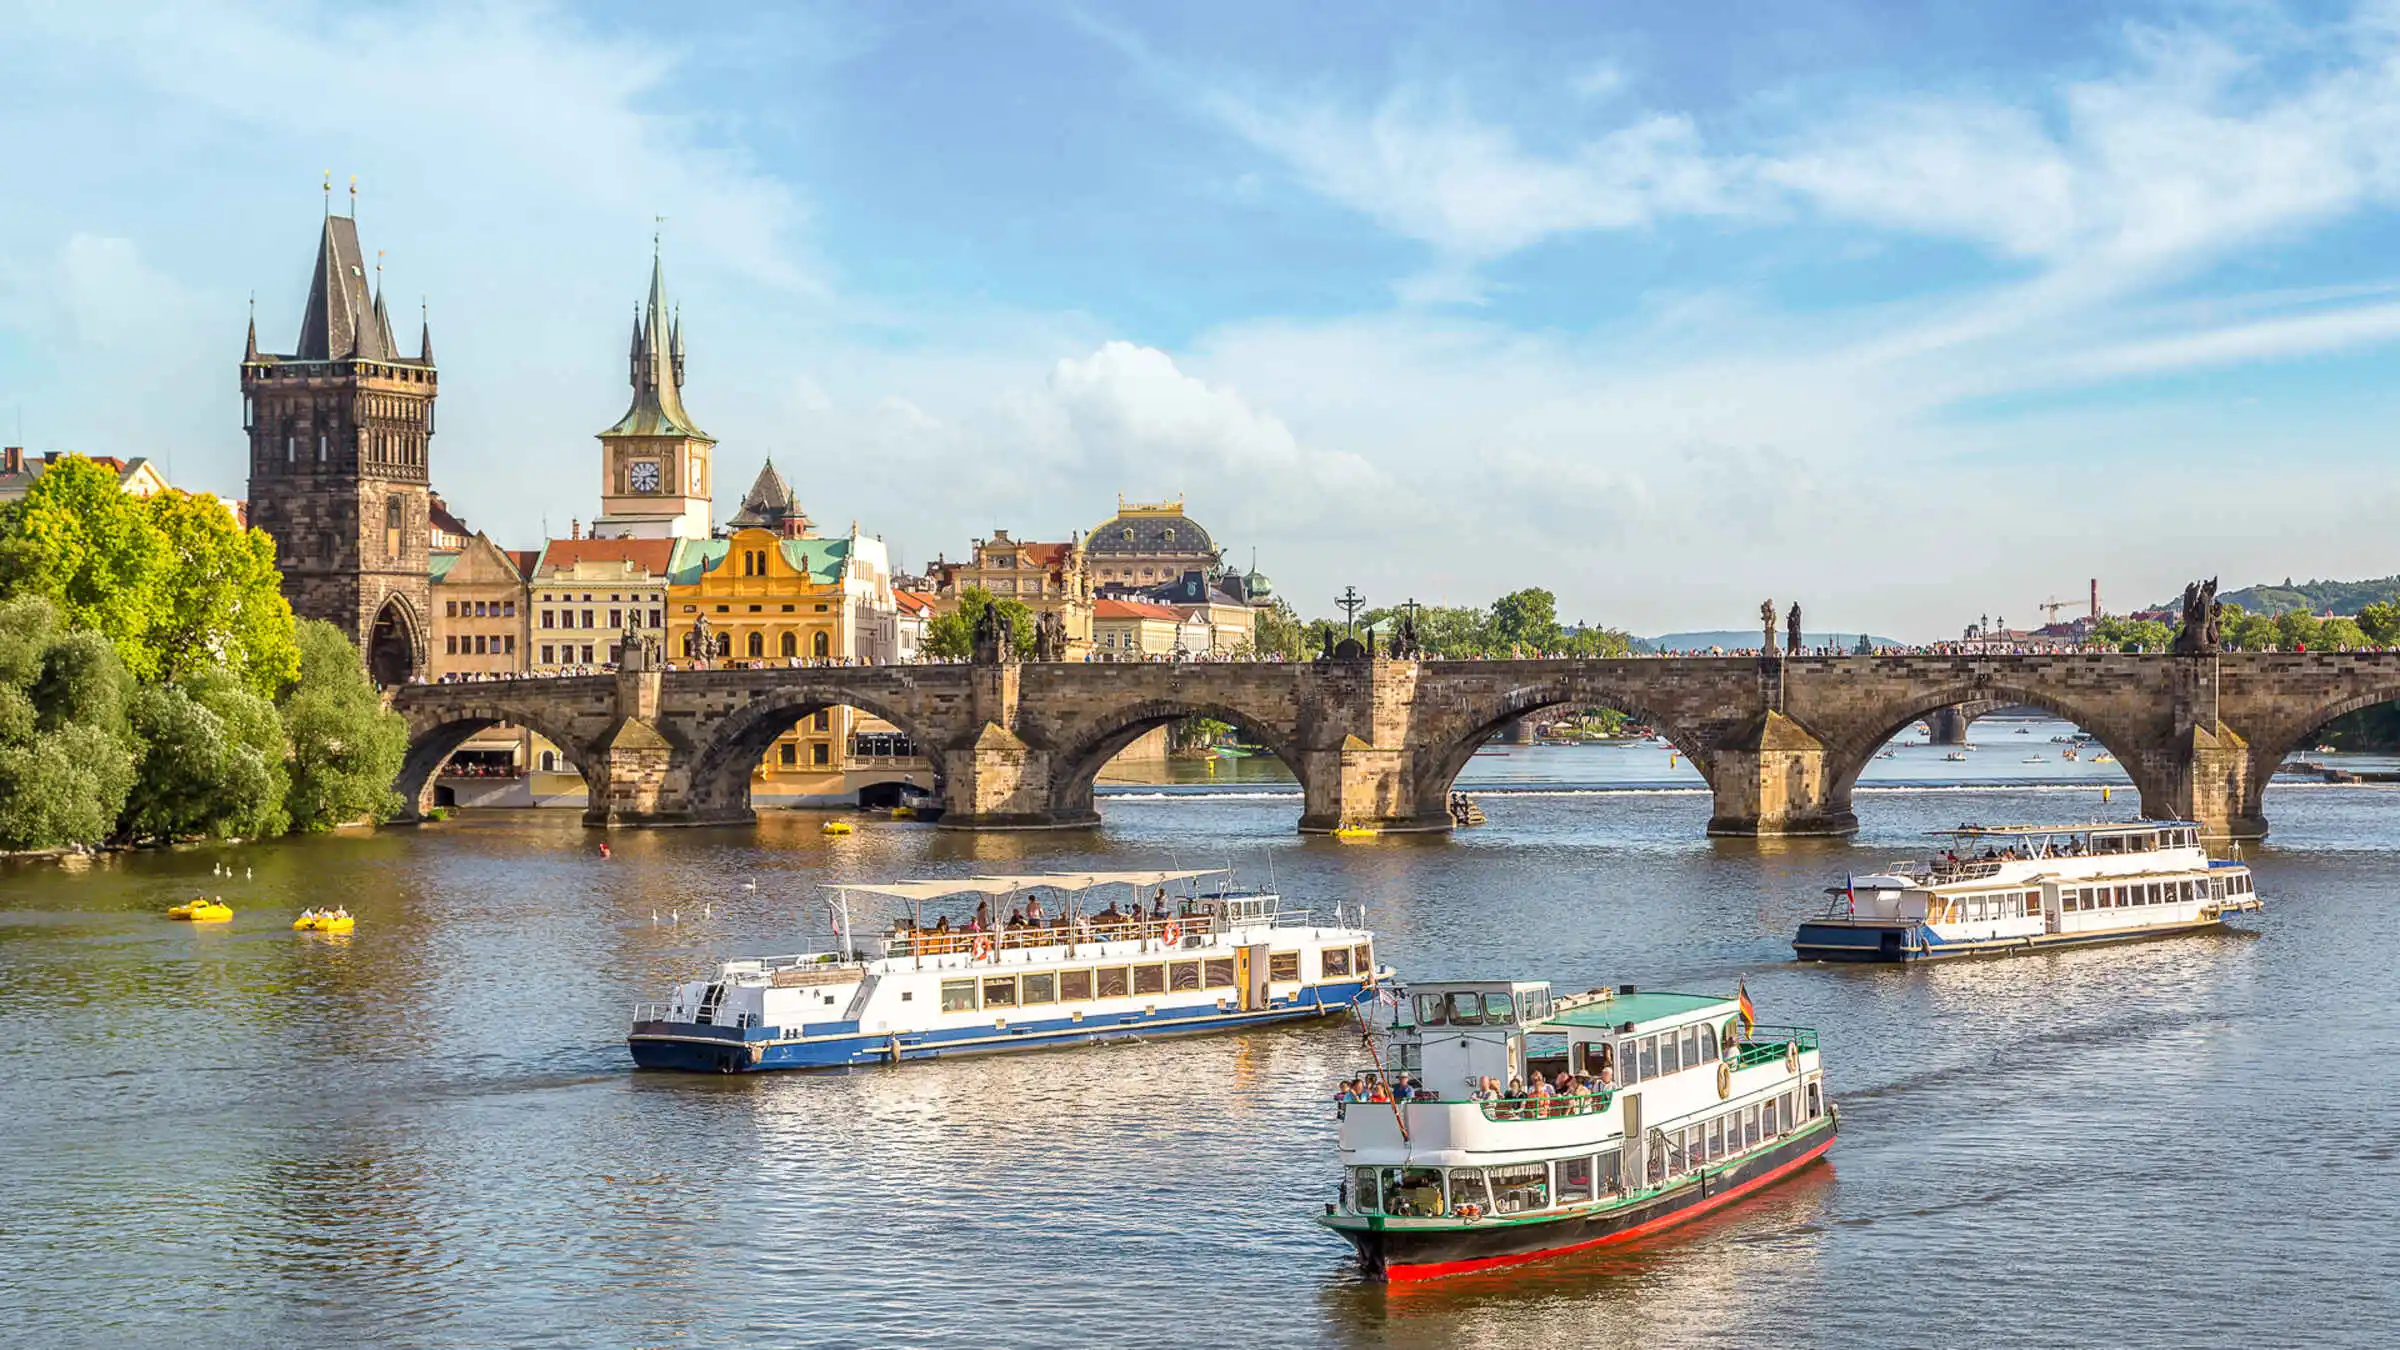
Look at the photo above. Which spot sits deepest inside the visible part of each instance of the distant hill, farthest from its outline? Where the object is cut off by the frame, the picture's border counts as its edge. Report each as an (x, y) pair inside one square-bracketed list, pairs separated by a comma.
[(1743, 640), (2342, 597)]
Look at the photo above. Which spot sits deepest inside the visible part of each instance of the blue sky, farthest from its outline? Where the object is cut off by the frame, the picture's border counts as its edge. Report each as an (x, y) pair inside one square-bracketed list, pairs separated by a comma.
[(1909, 312)]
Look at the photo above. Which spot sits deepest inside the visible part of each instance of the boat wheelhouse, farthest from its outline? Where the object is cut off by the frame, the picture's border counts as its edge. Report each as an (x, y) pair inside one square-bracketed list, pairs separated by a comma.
[(1056, 972), (2009, 889), (1673, 1105)]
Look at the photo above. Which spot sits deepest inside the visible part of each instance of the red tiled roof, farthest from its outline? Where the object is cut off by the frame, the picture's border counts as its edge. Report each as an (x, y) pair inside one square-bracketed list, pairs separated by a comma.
[(1048, 555), (653, 556), (1133, 609), (524, 558), (911, 602)]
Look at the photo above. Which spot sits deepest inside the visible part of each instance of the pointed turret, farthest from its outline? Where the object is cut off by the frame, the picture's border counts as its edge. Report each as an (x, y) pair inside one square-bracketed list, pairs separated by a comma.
[(250, 347), (425, 339), (657, 369), (375, 342), (770, 505), (339, 304)]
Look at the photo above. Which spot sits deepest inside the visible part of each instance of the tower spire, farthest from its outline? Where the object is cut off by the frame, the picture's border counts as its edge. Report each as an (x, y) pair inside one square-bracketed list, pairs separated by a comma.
[(250, 347), (425, 332)]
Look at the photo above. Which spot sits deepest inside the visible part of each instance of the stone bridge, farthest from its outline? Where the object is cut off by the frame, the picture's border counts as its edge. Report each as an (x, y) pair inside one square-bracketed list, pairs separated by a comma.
[(1377, 743)]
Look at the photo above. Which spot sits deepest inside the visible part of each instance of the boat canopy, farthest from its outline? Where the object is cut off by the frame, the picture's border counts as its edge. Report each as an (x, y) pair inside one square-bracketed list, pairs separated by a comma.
[(1062, 881), (2094, 827)]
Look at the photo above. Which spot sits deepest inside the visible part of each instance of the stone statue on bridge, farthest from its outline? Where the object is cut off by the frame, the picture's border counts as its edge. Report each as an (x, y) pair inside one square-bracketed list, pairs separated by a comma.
[(1766, 619), (1050, 637), (995, 639), (2203, 620), (1405, 644), (1792, 643), (707, 644)]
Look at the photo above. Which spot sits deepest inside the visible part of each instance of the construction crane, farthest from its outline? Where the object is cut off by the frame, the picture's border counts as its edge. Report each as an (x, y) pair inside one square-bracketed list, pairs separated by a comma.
[(2052, 606)]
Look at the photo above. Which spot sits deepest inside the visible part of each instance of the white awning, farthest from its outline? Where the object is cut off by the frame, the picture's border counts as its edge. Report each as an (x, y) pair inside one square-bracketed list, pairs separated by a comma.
[(1062, 881), (930, 890), (1084, 881)]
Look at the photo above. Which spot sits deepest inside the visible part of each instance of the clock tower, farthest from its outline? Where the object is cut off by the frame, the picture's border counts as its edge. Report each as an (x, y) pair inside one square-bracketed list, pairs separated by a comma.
[(654, 461)]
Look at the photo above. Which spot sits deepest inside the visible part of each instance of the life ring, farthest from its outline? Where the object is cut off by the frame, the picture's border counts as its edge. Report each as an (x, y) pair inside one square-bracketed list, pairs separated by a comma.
[(983, 947), (1724, 1079), (1173, 932), (1791, 1056)]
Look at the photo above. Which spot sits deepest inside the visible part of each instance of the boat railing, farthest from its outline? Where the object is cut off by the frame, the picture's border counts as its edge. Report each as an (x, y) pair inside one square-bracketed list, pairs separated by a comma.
[(677, 1012), (1940, 871), (1050, 933), (1766, 1044), (1547, 1108)]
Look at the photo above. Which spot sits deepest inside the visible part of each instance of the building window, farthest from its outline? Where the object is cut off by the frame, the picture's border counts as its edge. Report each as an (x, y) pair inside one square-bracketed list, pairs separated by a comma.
[(587, 618), (791, 752), (820, 753), (822, 644), (549, 656), (758, 644), (479, 651), (616, 618), (508, 643), (549, 618), (508, 609), (824, 719), (322, 446), (391, 526), (454, 644), (587, 655), (791, 644), (450, 608)]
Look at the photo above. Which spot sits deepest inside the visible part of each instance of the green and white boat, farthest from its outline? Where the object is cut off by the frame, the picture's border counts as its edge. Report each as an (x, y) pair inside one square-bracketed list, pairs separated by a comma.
[(1674, 1105)]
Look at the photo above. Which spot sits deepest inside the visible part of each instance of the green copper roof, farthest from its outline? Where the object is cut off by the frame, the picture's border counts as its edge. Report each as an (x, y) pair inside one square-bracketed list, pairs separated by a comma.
[(821, 559), (1641, 1007), (438, 564)]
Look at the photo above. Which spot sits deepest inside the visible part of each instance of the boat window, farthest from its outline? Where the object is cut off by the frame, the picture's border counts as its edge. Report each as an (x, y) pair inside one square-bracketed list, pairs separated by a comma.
[(1150, 979), (1520, 1188), (1766, 1117), (958, 996), (1000, 991), (1499, 1010), (1112, 981), (1716, 1137), (1592, 1058), (1571, 1180), (1284, 966), (1695, 1146), (1429, 1011), (1708, 1041), (1629, 1063), (1670, 1052), (1749, 1126), (1816, 1104), (1039, 989), (1365, 1196), (1467, 1188), (1218, 974), (1466, 1010), (1611, 1172), (1183, 975), (1649, 1050), (1333, 961), (1074, 986), (1414, 1192), (1362, 957)]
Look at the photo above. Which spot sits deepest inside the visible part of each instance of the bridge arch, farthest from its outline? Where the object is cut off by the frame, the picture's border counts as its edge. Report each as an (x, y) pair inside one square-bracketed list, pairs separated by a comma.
[(434, 736), (720, 766), (1851, 748), (1077, 761), (2273, 740), (1449, 744)]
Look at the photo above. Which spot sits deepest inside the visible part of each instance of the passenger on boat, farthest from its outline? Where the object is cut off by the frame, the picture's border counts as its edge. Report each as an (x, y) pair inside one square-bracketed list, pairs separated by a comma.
[(1376, 1092), (1487, 1089), (1033, 909), (983, 915), (941, 925), (1158, 906), (1348, 1091)]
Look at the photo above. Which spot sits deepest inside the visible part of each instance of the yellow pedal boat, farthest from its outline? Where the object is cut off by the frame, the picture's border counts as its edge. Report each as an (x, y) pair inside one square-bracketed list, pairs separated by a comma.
[(324, 921), (1354, 832), (836, 827), (202, 911)]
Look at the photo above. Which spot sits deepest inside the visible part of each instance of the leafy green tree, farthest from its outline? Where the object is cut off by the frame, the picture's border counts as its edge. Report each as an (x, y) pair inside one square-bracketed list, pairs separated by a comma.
[(1276, 632), (225, 608), (951, 636), (346, 747), (1525, 621), (1591, 640), (2245, 632), (77, 539), (2133, 635), (212, 761), (2340, 634), (66, 752), (2380, 621)]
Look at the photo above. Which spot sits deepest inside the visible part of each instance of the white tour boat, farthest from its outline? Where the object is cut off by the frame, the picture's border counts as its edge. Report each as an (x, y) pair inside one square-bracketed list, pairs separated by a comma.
[(2003, 890), (1202, 961), (1675, 1105)]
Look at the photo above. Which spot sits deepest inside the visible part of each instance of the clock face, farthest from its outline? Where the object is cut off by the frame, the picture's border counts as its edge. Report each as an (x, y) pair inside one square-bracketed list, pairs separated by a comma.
[(644, 476)]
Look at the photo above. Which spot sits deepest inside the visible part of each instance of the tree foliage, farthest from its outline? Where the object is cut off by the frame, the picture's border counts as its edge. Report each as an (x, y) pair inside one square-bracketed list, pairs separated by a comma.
[(66, 750), (171, 581), (1276, 633), (2133, 635), (951, 636), (212, 761), (1520, 624), (346, 747)]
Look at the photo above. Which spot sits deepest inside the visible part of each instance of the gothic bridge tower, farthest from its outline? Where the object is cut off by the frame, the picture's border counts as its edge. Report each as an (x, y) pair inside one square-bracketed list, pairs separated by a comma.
[(339, 431)]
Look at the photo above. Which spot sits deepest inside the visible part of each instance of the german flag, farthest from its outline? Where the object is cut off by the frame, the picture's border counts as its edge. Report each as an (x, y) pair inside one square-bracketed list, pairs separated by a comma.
[(1741, 996)]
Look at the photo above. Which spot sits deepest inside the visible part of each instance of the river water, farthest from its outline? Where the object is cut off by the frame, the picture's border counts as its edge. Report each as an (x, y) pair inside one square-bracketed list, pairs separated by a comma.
[(429, 1134)]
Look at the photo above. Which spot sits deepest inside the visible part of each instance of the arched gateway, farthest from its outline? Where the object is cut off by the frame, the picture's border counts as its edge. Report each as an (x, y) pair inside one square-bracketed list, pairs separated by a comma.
[(1376, 743)]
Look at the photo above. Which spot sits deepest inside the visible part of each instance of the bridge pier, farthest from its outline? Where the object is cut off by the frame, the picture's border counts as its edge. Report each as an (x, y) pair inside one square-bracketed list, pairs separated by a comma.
[(1948, 725), (1774, 778)]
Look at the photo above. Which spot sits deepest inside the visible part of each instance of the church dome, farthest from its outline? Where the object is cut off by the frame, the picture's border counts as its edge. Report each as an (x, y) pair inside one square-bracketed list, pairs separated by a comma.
[(1137, 530), (1258, 586)]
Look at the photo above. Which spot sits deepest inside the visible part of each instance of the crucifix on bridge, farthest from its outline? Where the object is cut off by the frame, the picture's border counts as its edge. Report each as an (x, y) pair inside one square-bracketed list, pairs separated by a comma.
[(1350, 602)]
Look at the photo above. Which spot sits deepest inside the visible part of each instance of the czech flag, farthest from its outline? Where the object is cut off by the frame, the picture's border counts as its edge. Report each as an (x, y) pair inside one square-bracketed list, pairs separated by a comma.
[(1850, 892), (1741, 996)]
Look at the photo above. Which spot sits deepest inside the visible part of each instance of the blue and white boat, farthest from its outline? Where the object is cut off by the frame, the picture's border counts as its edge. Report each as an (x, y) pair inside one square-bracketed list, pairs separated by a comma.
[(1053, 971), (2004, 890)]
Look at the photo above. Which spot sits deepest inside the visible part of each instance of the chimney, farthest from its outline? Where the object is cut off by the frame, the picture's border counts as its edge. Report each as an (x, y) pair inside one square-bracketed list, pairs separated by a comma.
[(575, 528), (12, 459), (2095, 599)]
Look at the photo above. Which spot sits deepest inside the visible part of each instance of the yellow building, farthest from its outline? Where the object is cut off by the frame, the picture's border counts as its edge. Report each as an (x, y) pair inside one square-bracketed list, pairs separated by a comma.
[(764, 600), (1046, 578), (478, 632)]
